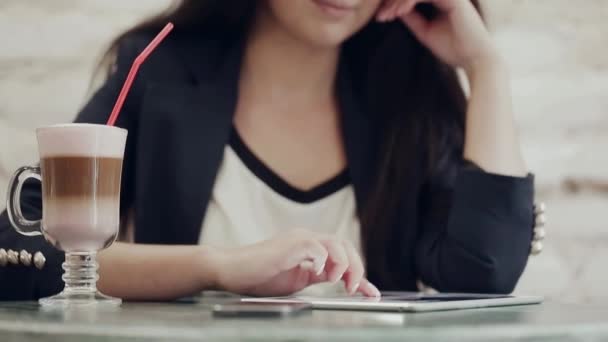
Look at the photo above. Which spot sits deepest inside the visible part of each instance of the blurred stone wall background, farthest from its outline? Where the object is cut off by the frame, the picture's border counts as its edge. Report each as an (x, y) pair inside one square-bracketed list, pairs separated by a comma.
[(557, 49)]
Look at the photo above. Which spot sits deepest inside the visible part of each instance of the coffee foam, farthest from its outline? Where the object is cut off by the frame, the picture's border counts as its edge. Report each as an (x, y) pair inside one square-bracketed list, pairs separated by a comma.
[(81, 140)]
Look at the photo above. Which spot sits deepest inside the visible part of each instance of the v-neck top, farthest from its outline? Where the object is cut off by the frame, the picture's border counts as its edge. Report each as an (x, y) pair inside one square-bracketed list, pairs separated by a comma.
[(251, 203)]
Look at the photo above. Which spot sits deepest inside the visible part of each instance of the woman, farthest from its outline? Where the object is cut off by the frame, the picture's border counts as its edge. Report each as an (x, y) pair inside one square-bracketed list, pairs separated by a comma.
[(277, 144)]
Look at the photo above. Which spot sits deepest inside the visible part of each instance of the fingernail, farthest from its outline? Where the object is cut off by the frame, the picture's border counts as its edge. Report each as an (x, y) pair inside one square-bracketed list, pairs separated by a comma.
[(337, 278), (376, 291), (320, 270), (307, 265)]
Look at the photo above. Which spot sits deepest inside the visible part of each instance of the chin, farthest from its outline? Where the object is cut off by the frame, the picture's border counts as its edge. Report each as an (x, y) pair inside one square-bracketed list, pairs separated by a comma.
[(326, 36), (323, 23)]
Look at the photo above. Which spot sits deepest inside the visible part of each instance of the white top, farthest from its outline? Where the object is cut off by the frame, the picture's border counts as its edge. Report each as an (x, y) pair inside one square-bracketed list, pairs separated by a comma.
[(250, 203)]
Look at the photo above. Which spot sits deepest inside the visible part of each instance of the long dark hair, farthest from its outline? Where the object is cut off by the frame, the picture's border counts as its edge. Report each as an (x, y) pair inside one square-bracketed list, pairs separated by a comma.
[(418, 104)]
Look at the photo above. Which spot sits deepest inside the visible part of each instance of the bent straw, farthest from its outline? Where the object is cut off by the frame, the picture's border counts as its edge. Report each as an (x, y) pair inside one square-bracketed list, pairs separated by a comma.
[(133, 72)]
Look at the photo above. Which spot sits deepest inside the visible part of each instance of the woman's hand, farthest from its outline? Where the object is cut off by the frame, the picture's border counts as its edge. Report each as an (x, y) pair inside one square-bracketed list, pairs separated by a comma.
[(457, 35), (290, 263)]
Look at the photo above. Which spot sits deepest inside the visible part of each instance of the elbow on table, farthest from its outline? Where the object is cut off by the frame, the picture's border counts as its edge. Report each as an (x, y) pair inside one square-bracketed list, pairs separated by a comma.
[(488, 262), (485, 281), (500, 276), (500, 270), (495, 282), (460, 269)]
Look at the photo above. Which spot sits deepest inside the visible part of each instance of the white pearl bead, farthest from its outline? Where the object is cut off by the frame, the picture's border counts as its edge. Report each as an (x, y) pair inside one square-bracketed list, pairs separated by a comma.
[(25, 258), (13, 257), (540, 220), (3, 257), (39, 260), (537, 247), (539, 208), (539, 234)]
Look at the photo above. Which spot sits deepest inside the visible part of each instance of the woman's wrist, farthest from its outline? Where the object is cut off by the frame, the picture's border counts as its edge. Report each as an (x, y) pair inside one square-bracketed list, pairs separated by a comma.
[(490, 65), (208, 266)]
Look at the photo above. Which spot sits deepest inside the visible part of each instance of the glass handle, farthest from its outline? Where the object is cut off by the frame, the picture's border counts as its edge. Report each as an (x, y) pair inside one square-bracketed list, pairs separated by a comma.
[(13, 202)]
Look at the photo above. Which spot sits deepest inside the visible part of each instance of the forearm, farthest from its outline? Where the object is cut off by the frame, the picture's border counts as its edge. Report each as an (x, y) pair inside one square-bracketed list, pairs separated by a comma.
[(491, 139), (155, 272)]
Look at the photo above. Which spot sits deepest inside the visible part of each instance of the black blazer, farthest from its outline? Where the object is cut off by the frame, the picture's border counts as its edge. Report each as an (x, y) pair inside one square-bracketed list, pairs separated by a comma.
[(462, 230)]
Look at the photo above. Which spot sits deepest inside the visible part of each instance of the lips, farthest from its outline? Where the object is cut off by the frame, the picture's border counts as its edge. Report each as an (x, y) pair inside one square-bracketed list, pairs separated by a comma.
[(335, 8), (337, 4)]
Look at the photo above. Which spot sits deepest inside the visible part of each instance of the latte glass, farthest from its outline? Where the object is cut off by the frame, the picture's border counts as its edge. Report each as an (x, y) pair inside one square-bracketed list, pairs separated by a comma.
[(80, 170)]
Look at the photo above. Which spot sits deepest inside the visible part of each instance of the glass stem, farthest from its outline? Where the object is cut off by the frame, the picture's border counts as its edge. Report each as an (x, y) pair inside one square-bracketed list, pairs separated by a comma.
[(80, 272)]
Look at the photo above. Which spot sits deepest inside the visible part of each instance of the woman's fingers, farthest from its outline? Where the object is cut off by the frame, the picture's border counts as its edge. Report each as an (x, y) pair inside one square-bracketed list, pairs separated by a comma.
[(387, 9), (416, 23), (302, 251), (407, 7), (354, 274), (368, 289), (329, 259), (395, 8), (338, 260)]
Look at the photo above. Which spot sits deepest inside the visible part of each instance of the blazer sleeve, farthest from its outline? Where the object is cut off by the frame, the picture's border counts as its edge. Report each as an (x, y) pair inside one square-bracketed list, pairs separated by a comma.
[(19, 282), (476, 228)]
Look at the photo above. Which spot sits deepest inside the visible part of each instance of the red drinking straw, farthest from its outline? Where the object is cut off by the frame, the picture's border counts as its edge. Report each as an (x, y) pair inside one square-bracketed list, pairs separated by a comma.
[(133, 72)]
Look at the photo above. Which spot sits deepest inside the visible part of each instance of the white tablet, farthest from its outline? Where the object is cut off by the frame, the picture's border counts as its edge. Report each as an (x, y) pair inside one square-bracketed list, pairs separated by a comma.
[(405, 301)]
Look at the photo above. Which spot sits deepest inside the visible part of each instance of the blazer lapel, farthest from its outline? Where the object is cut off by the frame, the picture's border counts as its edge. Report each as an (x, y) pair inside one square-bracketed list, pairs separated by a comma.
[(183, 132)]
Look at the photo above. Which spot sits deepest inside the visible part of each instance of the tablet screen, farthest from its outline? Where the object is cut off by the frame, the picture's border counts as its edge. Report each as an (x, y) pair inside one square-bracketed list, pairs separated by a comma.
[(393, 297), (440, 297), (406, 301)]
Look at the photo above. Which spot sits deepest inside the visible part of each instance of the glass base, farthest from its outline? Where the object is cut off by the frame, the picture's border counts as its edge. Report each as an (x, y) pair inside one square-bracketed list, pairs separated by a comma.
[(80, 299), (80, 278)]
